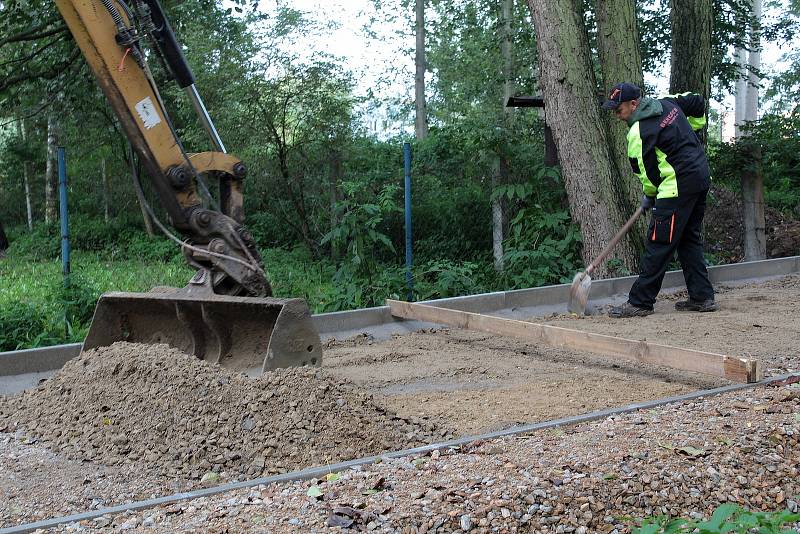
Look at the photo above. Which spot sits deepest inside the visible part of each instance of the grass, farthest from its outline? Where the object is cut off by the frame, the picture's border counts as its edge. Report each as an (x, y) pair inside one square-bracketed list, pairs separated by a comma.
[(33, 301)]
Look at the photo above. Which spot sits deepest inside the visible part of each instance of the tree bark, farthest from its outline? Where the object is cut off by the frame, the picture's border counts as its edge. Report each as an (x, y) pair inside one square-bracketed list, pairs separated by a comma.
[(497, 221), (755, 242), (421, 120), (51, 172), (739, 110), (571, 105), (621, 61), (500, 170), (690, 68)]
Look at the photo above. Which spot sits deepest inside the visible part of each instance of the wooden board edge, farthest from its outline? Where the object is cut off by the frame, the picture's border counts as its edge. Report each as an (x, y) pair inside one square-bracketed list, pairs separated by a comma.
[(728, 367)]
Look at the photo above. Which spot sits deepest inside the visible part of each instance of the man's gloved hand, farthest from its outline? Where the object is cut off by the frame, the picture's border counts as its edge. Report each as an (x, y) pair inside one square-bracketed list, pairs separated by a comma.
[(648, 202)]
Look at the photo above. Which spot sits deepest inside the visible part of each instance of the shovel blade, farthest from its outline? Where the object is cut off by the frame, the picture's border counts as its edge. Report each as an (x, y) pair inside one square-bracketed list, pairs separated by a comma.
[(579, 293)]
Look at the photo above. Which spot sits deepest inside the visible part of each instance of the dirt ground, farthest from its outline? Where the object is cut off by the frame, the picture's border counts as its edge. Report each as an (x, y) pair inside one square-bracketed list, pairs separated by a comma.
[(758, 320), (474, 383), (724, 231), (444, 382)]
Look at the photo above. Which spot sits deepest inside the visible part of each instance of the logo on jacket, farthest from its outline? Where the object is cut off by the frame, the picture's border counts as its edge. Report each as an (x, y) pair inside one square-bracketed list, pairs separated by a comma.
[(670, 118)]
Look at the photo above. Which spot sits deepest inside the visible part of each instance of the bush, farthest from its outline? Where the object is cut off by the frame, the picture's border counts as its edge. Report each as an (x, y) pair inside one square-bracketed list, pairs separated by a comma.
[(24, 325), (157, 248), (726, 518), (78, 300), (41, 243), (779, 139)]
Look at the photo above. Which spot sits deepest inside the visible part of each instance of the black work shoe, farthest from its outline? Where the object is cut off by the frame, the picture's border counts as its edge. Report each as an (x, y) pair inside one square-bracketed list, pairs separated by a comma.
[(708, 305), (628, 310)]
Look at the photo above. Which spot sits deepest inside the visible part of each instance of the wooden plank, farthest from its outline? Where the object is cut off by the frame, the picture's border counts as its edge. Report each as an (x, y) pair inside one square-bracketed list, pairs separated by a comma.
[(729, 367)]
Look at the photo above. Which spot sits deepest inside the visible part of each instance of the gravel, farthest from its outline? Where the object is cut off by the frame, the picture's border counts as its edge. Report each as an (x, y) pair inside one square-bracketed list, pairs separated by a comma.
[(162, 412), (678, 460)]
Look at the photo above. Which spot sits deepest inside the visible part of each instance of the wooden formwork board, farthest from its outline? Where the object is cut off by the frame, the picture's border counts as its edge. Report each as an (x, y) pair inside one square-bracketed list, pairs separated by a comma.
[(728, 367)]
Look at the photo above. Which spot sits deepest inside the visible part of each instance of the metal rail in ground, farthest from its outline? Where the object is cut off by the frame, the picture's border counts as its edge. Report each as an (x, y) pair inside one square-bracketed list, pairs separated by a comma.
[(321, 471)]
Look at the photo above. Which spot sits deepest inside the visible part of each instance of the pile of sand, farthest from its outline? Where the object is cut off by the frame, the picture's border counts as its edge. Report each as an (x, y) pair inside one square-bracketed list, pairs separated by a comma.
[(162, 410)]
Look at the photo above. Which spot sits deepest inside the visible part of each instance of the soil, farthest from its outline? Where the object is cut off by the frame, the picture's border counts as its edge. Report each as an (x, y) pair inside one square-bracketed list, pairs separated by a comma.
[(132, 421), (725, 232), (757, 320), (476, 382)]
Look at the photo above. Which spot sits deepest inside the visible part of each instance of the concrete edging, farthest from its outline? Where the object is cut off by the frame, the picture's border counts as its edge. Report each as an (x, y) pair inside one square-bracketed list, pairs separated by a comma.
[(20, 362)]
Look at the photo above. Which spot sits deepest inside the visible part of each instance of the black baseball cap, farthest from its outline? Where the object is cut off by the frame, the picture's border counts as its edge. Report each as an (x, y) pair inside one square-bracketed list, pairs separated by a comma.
[(622, 92)]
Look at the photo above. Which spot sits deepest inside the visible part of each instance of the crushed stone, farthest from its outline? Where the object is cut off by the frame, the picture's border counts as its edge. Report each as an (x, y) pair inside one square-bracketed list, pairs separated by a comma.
[(175, 416)]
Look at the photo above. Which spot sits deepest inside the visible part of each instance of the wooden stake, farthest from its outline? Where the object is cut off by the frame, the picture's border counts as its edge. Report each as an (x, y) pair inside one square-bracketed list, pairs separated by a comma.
[(735, 369)]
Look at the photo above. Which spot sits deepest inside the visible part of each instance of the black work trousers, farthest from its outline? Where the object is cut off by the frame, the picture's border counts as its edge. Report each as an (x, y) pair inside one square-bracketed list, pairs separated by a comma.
[(675, 225)]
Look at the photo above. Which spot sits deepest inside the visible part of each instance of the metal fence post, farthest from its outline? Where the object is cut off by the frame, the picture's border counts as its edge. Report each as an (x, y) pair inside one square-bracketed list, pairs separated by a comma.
[(62, 196), (62, 191)]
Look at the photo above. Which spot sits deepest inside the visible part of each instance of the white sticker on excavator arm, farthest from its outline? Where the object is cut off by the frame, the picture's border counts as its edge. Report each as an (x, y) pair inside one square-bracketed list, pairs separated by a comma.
[(147, 112)]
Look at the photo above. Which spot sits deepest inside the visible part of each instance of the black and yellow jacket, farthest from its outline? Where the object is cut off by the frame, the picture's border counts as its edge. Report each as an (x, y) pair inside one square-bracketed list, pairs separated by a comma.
[(665, 152)]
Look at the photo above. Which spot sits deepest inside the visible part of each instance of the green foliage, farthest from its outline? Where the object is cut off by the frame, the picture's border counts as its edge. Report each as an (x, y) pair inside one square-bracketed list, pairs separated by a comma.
[(778, 138), (23, 325), (440, 279), (37, 310), (726, 518), (543, 246), (358, 231)]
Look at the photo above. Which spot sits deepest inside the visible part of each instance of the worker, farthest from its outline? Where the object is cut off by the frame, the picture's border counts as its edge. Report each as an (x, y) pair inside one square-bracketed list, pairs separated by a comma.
[(666, 154)]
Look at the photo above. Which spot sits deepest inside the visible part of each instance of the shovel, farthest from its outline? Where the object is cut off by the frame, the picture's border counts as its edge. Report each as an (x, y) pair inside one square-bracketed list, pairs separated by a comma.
[(582, 283)]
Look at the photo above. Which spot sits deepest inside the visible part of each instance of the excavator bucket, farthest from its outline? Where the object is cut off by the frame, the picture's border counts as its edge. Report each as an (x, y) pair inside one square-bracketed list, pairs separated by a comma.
[(248, 334)]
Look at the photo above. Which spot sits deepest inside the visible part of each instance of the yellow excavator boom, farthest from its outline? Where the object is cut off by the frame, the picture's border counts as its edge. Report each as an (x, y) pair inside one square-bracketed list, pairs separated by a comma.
[(226, 314)]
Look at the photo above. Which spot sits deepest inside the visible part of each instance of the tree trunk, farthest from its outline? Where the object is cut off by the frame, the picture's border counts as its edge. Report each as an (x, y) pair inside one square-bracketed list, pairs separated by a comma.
[(51, 172), (27, 172), (755, 244), (620, 61), (500, 170), (3, 241), (106, 191), (148, 222), (497, 221), (739, 113), (419, 81), (335, 178), (755, 241), (690, 68), (571, 105)]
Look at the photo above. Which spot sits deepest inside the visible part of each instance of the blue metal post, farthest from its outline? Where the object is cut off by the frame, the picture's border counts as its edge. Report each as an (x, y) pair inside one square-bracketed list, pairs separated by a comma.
[(62, 191), (409, 252)]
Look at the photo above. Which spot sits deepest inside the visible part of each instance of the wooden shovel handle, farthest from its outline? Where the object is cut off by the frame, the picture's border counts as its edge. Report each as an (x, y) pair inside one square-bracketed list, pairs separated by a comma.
[(614, 241)]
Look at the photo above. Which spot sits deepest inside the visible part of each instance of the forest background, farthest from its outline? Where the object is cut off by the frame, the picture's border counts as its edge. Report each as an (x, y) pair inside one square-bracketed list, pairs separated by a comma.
[(492, 209)]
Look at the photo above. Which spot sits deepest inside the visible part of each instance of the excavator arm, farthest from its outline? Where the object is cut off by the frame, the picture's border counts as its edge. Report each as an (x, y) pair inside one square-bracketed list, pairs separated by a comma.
[(225, 314), (114, 49)]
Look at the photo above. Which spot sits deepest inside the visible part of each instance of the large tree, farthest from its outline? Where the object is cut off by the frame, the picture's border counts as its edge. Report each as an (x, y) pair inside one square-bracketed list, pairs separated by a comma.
[(755, 241), (692, 30), (571, 105), (620, 60)]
